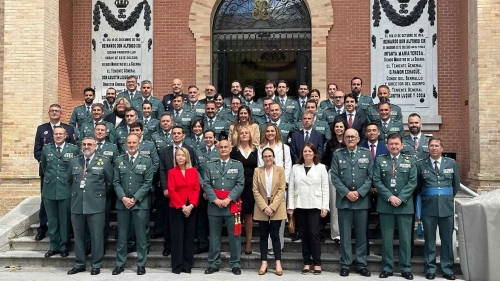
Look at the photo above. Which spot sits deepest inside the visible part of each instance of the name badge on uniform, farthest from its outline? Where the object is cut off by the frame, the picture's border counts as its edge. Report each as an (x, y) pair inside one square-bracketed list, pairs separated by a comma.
[(108, 153), (68, 155), (219, 128), (448, 171), (320, 128), (200, 110), (185, 119), (291, 107), (363, 160), (394, 129), (144, 152), (232, 171), (402, 165), (141, 167), (393, 183), (82, 184)]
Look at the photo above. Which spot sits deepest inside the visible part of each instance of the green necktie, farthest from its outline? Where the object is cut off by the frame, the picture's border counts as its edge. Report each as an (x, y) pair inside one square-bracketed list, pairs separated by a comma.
[(352, 154), (436, 167)]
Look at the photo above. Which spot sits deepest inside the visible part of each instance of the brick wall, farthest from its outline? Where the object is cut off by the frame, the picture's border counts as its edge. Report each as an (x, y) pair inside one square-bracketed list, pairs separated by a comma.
[(65, 61)]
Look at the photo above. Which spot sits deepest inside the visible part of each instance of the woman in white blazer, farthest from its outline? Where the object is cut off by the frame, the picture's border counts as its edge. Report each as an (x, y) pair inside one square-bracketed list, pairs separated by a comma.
[(309, 201), (271, 137)]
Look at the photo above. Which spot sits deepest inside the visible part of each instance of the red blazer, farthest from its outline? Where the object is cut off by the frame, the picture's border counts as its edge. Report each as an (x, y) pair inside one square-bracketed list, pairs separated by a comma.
[(183, 188)]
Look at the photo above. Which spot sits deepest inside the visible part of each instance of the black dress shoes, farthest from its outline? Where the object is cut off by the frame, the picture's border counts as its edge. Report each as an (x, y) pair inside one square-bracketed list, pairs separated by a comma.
[(385, 274), (211, 270), (344, 272), (117, 270), (75, 270), (186, 271), (296, 236), (236, 271), (39, 236), (166, 253), (141, 270), (156, 235), (200, 251), (430, 276), (95, 271), (51, 253), (64, 254), (407, 275), (364, 272), (449, 276)]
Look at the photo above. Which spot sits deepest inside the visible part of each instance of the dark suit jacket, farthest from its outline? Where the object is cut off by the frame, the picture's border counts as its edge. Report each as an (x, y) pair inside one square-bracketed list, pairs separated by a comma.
[(167, 162), (380, 149), (359, 123), (45, 135), (167, 101), (111, 118), (183, 188), (316, 138)]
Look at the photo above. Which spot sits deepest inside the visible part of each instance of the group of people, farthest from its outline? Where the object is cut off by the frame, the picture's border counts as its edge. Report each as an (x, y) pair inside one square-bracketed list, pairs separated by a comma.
[(203, 163)]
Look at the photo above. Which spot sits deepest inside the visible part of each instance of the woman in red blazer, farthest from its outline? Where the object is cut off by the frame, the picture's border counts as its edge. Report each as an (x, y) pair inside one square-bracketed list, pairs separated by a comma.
[(184, 191)]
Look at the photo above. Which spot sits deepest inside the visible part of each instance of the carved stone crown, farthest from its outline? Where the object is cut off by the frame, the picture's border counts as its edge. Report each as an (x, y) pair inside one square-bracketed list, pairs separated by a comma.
[(121, 3)]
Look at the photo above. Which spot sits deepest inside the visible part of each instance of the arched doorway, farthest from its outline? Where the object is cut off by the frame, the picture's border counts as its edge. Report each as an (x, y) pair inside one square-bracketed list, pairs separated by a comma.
[(253, 41)]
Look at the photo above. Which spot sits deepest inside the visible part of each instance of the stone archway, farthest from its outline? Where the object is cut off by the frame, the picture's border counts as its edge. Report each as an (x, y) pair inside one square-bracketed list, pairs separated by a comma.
[(200, 23)]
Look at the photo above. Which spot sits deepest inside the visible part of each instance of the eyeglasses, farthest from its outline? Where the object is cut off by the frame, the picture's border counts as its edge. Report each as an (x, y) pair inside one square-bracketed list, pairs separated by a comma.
[(211, 90), (337, 97), (54, 110), (129, 115), (350, 137)]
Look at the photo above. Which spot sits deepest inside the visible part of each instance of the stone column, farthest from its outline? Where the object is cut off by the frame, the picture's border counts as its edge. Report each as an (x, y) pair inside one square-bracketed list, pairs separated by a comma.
[(484, 98), (30, 75)]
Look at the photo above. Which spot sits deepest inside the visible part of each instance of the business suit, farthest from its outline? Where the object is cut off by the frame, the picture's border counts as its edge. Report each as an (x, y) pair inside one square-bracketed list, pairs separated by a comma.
[(230, 178), (316, 138), (157, 107), (132, 181), (392, 127), (269, 226), (183, 191), (167, 101), (88, 204), (399, 181), (166, 164), (56, 194), (45, 135), (126, 94), (352, 174), (308, 195), (359, 123), (438, 210)]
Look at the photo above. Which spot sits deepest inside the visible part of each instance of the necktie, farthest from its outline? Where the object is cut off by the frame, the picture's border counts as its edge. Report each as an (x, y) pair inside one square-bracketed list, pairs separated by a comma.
[(223, 165), (131, 96), (350, 120), (88, 110), (146, 100), (394, 160), (303, 102), (385, 124), (306, 139), (372, 149), (131, 160), (87, 161), (192, 106), (59, 150), (338, 111), (176, 147), (415, 139), (99, 146), (282, 102), (210, 121), (177, 113), (197, 140), (352, 154), (146, 121), (209, 150), (436, 168)]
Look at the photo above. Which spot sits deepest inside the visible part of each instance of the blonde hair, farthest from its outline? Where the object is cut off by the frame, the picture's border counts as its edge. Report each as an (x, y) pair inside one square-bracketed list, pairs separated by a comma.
[(263, 139), (238, 141), (186, 154), (125, 101)]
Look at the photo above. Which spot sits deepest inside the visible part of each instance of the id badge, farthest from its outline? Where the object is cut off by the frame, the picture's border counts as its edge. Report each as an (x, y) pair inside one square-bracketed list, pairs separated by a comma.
[(393, 183), (82, 184)]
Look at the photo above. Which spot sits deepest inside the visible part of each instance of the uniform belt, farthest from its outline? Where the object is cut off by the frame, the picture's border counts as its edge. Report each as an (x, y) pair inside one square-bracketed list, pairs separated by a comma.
[(431, 192)]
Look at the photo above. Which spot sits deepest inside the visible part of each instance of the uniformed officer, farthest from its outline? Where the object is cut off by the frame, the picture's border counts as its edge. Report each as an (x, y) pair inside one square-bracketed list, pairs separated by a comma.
[(176, 90), (133, 176), (416, 143), (236, 92), (383, 93), (270, 89), (386, 125), (210, 92), (318, 125), (223, 183), (275, 118), (395, 178), (109, 103), (205, 154), (150, 123), (214, 122), (82, 113), (55, 192), (289, 107), (364, 101), (157, 107), (351, 173), (182, 117), (303, 97), (90, 177), (131, 93), (264, 119), (438, 183), (231, 115), (123, 131), (194, 105), (163, 137), (87, 129), (332, 102), (329, 113), (256, 108)]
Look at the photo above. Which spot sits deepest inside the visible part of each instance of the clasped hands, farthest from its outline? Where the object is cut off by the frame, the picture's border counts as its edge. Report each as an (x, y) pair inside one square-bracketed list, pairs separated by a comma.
[(186, 210), (395, 201), (353, 196), (128, 202), (268, 211), (222, 203)]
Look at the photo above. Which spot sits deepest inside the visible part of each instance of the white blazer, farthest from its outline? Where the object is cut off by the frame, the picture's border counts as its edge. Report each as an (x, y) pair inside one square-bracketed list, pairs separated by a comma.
[(278, 158), (309, 191)]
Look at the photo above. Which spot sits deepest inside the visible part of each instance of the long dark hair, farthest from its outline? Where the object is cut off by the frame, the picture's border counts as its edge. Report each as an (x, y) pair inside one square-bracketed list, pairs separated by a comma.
[(315, 151), (333, 141)]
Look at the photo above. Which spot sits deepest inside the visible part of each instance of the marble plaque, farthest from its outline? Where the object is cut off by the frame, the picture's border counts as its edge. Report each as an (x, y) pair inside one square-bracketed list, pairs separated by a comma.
[(122, 43), (404, 55)]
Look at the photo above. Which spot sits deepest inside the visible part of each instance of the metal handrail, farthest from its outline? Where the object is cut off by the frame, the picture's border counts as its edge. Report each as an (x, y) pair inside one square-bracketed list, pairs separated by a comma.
[(468, 190)]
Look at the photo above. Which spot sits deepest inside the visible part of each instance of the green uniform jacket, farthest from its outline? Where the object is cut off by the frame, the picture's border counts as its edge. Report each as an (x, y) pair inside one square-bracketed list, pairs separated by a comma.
[(91, 199), (372, 113), (122, 134), (392, 127), (107, 110), (55, 170), (79, 116), (227, 101), (152, 126), (149, 149), (124, 94), (448, 176), (406, 182), (422, 149), (87, 130), (228, 117), (157, 107), (257, 109), (286, 130), (291, 110), (109, 150), (363, 103), (133, 181), (327, 115), (191, 142), (204, 157), (352, 174), (231, 178), (198, 110), (185, 120), (326, 104), (218, 126), (320, 126), (161, 140)]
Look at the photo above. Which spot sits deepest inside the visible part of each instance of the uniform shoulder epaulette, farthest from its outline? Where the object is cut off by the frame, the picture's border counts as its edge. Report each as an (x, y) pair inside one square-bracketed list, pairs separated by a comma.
[(75, 156), (234, 160), (123, 155), (112, 144), (48, 144), (385, 154), (103, 156), (339, 149), (421, 159), (363, 148), (70, 144), (147, 141), (145, 155), (213, 161), (448, 158), (396, 121)]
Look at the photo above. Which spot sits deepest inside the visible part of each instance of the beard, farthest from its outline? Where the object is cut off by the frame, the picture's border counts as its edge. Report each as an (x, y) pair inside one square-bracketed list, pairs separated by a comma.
[(414, 130), (111, 100), (355, 92), (87, 152)]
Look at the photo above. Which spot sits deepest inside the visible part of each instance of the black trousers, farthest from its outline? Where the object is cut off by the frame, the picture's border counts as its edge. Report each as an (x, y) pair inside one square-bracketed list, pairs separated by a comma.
[(182, 235), (202, 229), (309, 221), (42, 215), (166, 215), (266, 228)]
